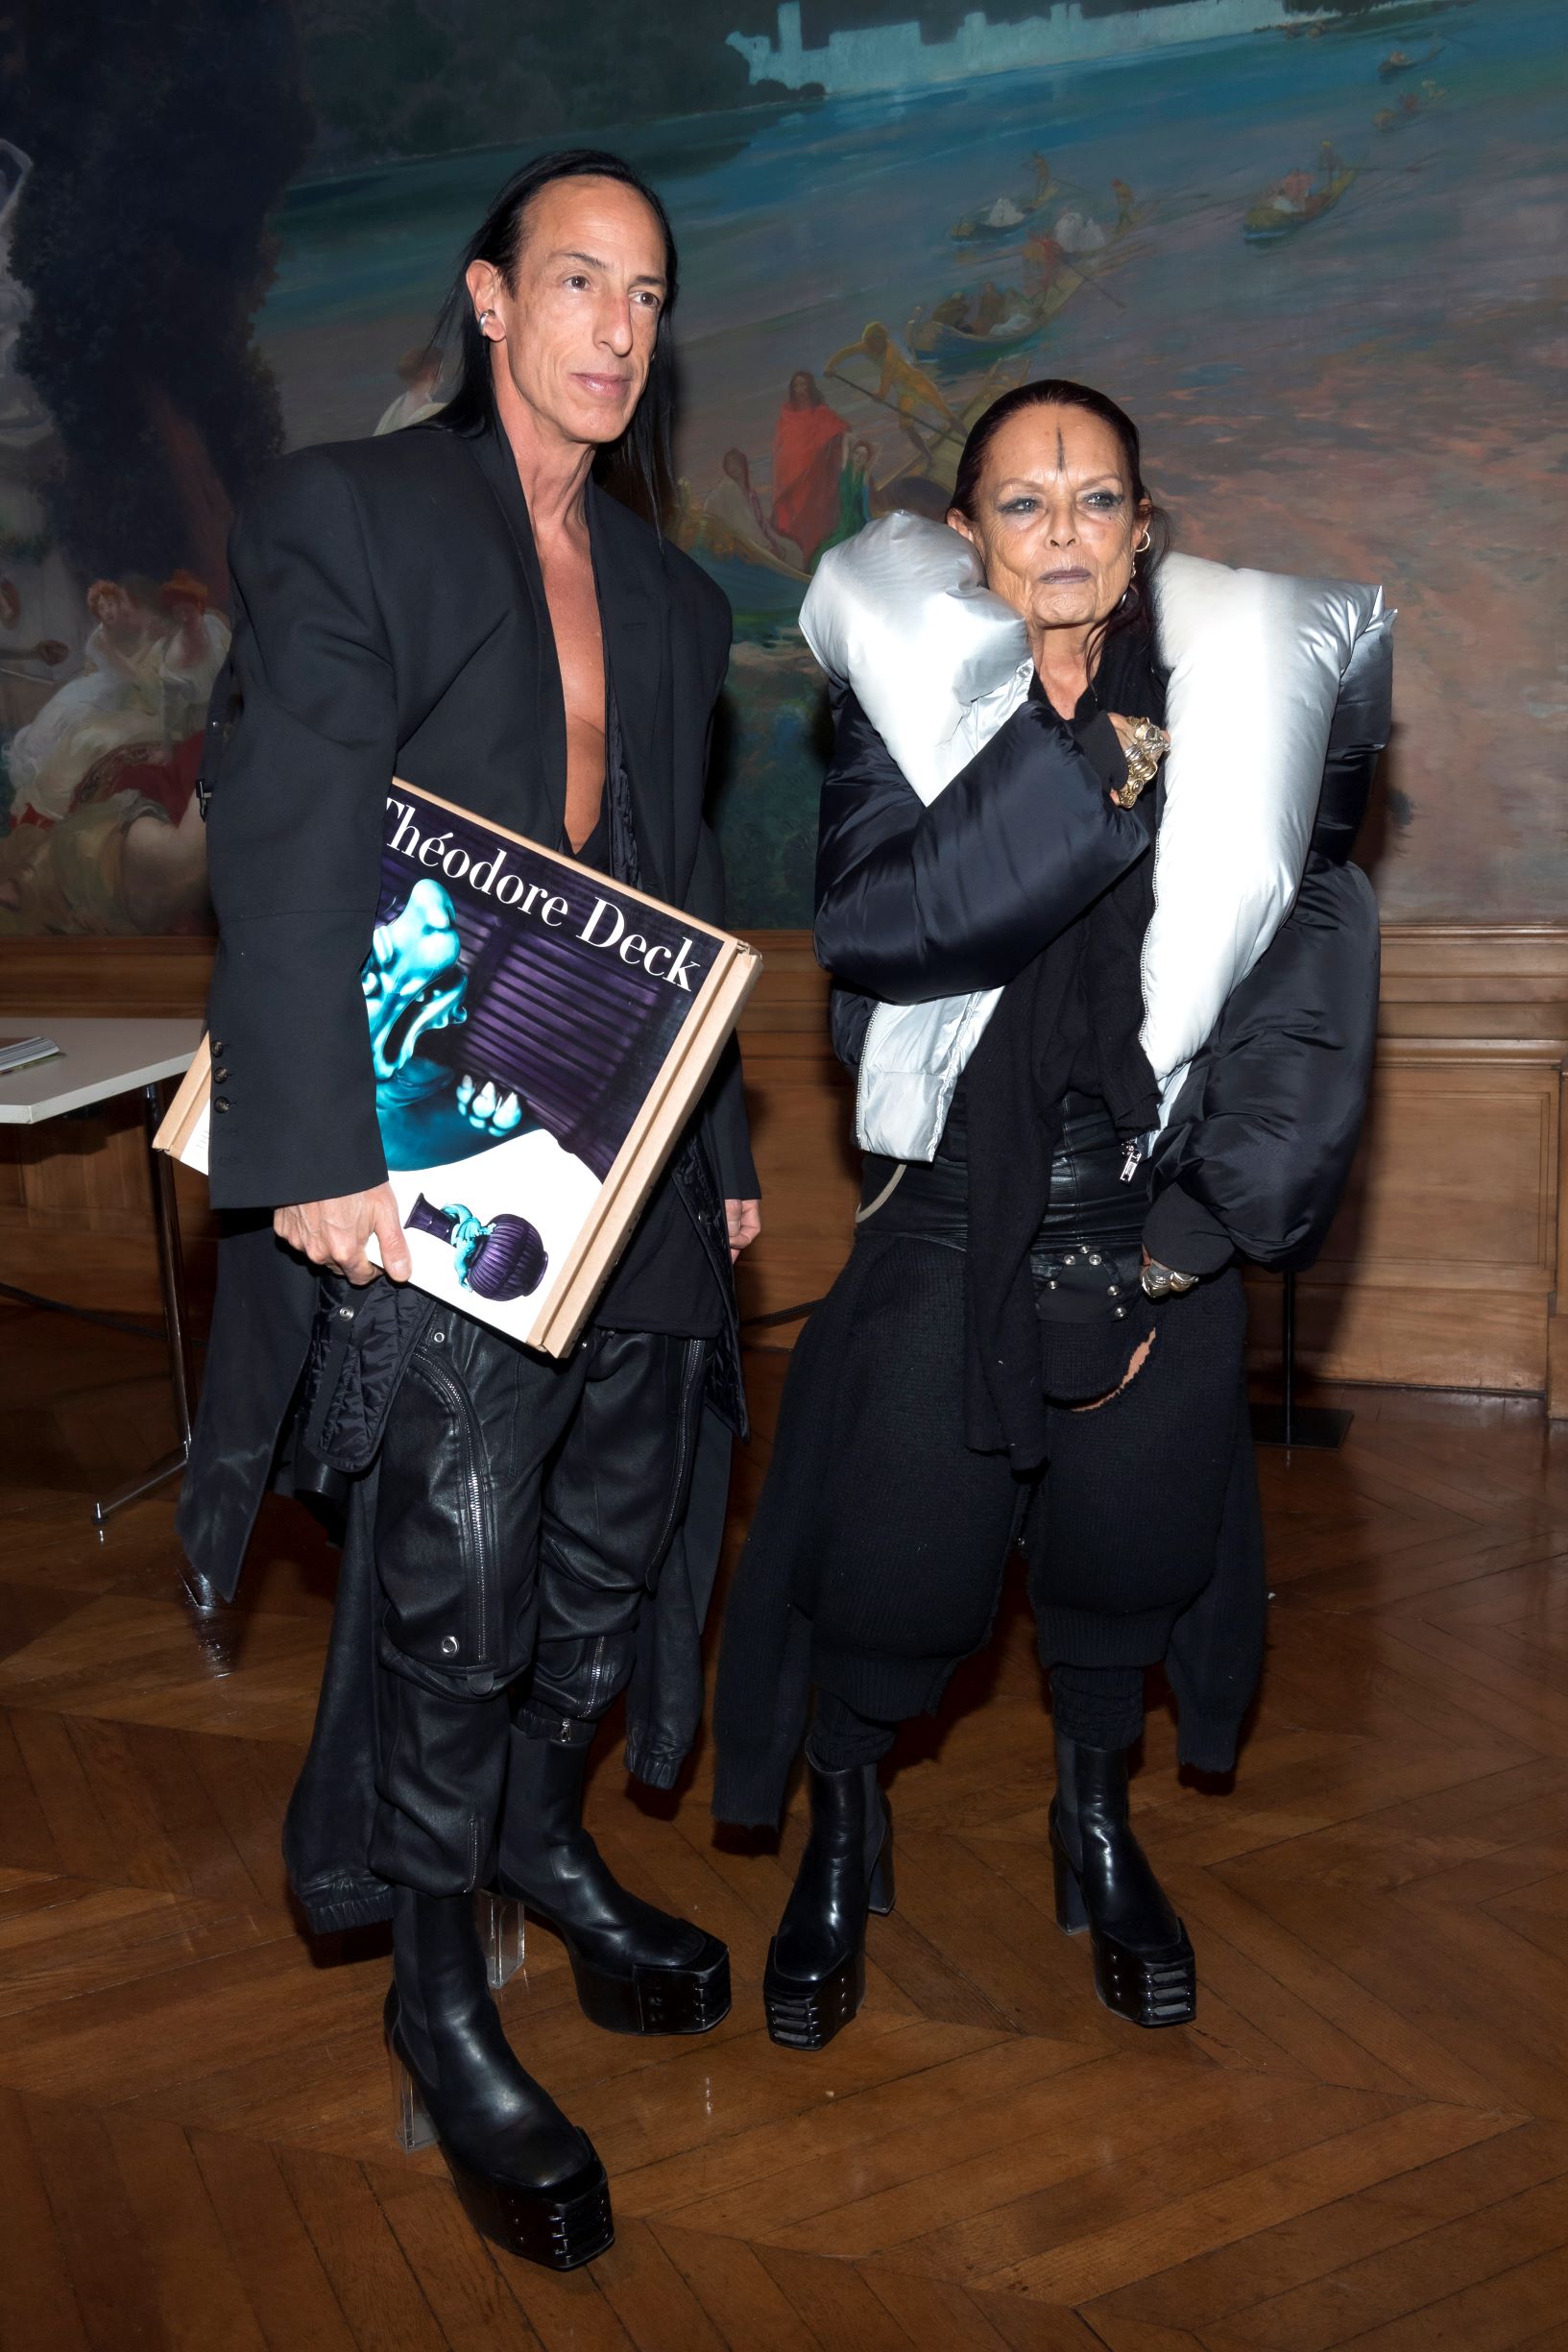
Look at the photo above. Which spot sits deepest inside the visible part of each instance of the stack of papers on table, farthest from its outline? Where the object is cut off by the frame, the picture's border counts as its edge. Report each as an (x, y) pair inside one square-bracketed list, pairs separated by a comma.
[(20, 1053)]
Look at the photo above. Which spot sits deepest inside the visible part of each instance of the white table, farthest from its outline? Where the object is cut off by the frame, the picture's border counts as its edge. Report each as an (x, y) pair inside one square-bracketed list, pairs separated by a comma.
[(98, 1059)]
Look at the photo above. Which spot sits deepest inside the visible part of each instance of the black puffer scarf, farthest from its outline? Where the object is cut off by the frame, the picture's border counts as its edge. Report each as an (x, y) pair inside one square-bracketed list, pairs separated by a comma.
[(1068, 1022)]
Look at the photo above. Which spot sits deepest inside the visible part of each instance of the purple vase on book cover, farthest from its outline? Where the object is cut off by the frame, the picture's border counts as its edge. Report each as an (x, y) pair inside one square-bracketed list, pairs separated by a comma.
[(501, 1260)]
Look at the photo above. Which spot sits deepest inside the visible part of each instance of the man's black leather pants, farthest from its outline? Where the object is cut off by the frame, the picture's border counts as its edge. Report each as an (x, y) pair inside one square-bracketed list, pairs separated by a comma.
[(524, 1509)]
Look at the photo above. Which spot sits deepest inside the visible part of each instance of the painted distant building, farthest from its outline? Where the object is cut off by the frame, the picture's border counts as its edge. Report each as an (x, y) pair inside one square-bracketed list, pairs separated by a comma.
[(897, 56)]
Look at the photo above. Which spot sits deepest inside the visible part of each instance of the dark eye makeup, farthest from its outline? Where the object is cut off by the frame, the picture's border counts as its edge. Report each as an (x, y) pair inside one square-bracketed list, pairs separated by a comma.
[(1102, 501)]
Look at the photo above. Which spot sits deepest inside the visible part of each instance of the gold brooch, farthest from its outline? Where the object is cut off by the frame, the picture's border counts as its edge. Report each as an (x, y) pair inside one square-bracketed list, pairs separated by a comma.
[(1148, 747)]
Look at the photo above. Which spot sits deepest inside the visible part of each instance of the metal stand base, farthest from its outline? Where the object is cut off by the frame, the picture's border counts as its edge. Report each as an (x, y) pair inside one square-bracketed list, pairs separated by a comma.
[(1320, 1428), (172, 1282), (170, 1466)]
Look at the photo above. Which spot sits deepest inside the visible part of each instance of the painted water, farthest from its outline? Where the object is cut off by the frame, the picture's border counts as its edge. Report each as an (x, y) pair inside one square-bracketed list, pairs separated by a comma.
[(1379, 393)]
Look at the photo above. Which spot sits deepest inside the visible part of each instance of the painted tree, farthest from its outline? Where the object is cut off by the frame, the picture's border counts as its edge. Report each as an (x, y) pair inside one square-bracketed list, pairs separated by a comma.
[(161, 137), (422, 76)]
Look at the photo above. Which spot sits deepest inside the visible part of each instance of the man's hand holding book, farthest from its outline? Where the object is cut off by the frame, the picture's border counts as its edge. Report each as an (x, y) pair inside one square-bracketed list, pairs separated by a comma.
[(333, 1235)]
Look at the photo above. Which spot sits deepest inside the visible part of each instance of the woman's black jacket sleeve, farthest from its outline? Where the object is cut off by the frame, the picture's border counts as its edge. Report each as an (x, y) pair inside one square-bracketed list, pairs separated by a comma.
[(1257, 1153), (1265, 1129), (915, 902), (1258, 1146)]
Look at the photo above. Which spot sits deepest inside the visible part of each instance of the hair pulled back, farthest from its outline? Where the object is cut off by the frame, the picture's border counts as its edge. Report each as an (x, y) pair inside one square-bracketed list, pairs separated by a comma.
[(639, 467), (1135, 613)]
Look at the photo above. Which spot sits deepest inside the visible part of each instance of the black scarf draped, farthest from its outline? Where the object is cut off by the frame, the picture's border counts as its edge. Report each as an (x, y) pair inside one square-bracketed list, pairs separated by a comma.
[(1068, 1022)]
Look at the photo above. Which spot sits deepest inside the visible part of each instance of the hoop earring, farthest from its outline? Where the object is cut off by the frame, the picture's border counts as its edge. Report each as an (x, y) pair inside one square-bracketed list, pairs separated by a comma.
[(1146, 541), (483, 316)]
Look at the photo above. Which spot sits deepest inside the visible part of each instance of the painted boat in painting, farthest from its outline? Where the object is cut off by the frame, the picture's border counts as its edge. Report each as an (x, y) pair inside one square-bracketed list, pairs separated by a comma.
[(979, 229), (1411, 107), (1397, 62), (947, 345), (1266, 224)]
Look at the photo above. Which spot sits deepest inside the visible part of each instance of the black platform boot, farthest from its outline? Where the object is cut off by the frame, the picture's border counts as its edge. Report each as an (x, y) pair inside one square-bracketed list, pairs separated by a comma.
[(815, 1979), (638, 1970), (527, 2177), (1143, 1967)]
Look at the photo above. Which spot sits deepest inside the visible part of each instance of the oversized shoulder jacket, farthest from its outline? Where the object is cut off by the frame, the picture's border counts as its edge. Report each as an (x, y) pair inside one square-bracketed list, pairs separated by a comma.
[(390, 616), (921, 901)]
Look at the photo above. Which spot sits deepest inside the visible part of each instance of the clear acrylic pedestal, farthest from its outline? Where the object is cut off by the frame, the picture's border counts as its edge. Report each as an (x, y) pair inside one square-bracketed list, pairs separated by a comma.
[(501, 1926), (501, 1933)]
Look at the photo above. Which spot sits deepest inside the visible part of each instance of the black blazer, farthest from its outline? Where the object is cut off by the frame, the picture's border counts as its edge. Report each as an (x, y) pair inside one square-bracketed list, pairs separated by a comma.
[(390, 618)]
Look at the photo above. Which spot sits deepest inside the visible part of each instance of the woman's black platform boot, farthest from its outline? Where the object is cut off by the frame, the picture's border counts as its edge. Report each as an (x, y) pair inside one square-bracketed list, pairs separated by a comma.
[(528, 2178), (636, 1970), (1143, 1966), (815, 1979)]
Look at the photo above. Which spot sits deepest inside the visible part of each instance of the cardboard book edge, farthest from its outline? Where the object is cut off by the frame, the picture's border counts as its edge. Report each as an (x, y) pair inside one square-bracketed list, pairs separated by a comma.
[(642, 1157), (190, 1100)]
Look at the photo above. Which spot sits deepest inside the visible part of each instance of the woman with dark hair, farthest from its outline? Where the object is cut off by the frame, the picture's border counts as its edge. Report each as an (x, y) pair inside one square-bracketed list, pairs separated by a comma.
[(1039, 1332), (808, 460)]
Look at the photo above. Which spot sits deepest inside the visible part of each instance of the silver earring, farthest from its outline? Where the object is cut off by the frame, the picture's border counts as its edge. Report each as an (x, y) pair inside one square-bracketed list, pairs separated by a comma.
[(485, 315), (1145, 543)]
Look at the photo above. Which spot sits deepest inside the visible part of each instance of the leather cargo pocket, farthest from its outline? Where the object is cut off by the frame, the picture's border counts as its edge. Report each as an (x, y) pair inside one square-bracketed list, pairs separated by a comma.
[(691, 1367), (435, 1537)]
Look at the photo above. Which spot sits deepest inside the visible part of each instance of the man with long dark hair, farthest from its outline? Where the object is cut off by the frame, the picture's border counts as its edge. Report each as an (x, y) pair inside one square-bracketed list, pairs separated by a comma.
[(461, 602)]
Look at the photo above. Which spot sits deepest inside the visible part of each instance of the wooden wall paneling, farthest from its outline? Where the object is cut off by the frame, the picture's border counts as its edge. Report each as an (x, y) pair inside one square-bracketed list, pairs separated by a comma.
[(86, 1173), (76, 1218), (1557, 1337), (1441, 1269), (801, 1106), (76, 1214), (161, 978), (12, 1196), (1444, 1267)]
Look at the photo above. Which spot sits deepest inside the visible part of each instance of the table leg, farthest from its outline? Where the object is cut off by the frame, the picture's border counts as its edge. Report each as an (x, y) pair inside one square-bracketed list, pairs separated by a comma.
[(172, 1280)]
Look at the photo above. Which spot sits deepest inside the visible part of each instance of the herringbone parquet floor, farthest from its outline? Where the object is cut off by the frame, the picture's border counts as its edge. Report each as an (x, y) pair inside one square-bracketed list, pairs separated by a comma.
[(1363, 2141)]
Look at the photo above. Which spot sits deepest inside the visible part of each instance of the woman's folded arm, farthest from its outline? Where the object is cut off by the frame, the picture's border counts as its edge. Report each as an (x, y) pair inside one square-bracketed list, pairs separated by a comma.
[(917, 902)]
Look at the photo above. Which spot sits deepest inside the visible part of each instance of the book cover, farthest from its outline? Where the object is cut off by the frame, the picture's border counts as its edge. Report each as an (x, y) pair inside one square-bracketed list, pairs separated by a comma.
[(540, 1033)]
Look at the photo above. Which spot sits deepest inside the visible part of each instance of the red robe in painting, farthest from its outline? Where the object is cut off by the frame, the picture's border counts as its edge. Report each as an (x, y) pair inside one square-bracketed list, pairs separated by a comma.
[(807, 459)]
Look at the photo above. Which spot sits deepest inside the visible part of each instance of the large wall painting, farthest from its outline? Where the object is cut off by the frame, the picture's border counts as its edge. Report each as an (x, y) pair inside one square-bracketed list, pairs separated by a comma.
[(1319, 256)]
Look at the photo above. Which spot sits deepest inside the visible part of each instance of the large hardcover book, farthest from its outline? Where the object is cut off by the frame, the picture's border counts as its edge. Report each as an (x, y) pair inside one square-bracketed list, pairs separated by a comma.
[(540, 1035)]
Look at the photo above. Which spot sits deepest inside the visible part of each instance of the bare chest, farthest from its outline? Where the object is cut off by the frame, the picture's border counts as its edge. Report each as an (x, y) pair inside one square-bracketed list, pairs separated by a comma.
[(579, 651)]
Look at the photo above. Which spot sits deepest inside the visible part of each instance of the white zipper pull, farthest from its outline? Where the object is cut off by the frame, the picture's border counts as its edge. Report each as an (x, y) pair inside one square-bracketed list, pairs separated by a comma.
[(1129, 1166)]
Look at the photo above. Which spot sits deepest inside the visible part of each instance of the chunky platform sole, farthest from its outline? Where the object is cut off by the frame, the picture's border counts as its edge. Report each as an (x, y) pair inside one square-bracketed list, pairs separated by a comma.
[(806, 2013), (559, 2227), (1147, 1988), (689, 2000)]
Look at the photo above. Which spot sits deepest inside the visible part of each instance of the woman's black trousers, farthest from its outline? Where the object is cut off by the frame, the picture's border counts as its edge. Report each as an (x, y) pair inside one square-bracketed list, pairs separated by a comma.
[(891, 1534)]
